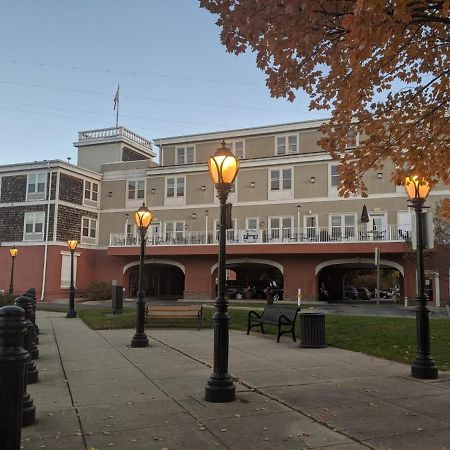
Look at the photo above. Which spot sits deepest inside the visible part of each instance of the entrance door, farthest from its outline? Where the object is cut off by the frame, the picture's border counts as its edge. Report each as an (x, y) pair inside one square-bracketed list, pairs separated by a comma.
[(153, 233), (379, 227)]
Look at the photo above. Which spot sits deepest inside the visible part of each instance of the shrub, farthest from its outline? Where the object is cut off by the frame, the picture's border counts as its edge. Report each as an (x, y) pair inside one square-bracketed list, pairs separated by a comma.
[(6, 299), (99, 290)]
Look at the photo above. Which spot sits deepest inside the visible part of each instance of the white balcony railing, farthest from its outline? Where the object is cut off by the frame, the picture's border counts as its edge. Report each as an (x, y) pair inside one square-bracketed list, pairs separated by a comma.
[(106, 133), (388, 233)]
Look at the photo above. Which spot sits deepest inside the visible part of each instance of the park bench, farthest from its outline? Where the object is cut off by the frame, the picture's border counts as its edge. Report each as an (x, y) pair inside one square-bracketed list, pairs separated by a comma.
[(174, 312), (274, 315)]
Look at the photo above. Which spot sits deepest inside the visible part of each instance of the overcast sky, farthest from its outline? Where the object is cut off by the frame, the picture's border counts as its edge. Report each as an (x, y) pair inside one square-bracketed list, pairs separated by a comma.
[(61, 61)]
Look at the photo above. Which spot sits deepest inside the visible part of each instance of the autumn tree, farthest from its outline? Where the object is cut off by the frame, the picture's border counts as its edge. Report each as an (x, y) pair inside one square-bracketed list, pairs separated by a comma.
[(381, 67)]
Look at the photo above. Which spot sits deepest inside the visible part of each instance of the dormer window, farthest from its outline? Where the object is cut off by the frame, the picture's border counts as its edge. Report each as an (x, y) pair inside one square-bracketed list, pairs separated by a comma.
[(185, 155), (286, 144), (352, 138)]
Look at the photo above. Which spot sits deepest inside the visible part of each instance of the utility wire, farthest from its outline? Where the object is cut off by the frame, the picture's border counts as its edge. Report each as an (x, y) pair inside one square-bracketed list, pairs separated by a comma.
[(158, 99), (123, 72)]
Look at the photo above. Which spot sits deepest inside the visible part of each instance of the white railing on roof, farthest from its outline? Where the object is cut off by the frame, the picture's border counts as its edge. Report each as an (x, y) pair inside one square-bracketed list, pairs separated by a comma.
[(106, 133), (346, 234)]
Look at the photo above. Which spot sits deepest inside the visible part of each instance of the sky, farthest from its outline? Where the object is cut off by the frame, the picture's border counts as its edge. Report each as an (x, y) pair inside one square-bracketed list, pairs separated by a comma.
[(61, 62)]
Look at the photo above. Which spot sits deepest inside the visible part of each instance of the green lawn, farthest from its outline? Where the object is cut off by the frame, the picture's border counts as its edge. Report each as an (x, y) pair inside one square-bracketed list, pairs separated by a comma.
[(391, 338)]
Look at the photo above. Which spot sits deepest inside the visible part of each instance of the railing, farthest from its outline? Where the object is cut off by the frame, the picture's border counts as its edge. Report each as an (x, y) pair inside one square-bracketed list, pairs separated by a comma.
[(105, 133), (388, 233)]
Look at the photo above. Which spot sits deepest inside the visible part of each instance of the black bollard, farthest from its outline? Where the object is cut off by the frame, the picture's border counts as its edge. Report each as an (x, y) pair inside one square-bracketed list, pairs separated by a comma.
[(34, 335), (13, 363), (26, 304), (32, 293)]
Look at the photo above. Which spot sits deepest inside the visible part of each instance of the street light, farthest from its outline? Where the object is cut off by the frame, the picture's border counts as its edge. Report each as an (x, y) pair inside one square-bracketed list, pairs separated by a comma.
[(13, 252), (423, 366), (143, 218), (223, 168), (72, 244)]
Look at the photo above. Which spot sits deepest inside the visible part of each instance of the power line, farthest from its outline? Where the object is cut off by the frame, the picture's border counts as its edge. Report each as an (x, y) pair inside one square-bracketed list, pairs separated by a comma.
[(123, 72), (108, 114), (158, 99)]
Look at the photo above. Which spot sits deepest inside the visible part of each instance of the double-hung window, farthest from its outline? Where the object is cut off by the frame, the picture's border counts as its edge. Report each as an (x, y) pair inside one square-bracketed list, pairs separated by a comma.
[(286, 144), (352, 138), (175, 187), (90, 192), (185, 155), (88, 230), (34, 226), (36, 186), (136, 189), (238, 149), (280, 179)]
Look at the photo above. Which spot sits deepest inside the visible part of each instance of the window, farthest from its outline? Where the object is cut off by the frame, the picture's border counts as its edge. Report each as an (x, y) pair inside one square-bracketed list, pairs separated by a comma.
[(280, 179), (342, 226), (286, 144), (352, 138), (175, 187), (334, 175), (91, 191), (34, 226), (238, 149), (88, 230), (36, 186), (280, 227), (252, 223), (185, 155), (174, 231), (311, 228), (65, 269), (136, 189)]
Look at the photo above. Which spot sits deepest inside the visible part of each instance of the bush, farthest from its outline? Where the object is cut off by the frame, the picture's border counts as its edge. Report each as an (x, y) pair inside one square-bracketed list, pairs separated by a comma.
[(99, 290), (6, 299)]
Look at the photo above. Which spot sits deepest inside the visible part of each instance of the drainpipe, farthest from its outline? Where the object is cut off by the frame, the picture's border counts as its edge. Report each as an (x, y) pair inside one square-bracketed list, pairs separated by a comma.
[(44, 269)]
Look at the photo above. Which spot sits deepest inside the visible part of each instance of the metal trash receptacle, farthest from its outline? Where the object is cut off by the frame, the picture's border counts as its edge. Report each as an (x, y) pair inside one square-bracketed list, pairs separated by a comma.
[(117, 299), (312, 330)]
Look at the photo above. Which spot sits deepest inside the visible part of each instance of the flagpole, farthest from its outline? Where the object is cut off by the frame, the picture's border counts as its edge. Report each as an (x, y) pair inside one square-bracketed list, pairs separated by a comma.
[(116, 104)]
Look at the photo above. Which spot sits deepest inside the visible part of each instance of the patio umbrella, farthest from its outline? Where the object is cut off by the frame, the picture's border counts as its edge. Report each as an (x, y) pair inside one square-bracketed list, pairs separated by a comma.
[(365, 215)]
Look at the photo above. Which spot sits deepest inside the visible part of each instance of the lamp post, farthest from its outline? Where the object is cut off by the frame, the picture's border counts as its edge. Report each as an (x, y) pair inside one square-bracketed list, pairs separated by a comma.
[(223, 168), (72, 244), (13, 252), (423, 366), (143, 218)]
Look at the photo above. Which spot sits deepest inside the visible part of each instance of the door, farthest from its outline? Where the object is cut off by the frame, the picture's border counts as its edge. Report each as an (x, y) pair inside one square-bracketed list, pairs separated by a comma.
[(153, 233), (379, 227)]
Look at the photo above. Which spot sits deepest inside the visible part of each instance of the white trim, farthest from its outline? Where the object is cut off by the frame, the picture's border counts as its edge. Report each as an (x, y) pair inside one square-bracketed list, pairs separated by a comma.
[(250, 261), (252, 218), (237, 133), (39, 196), (232, 145), (135, 202), (334, 262), (93, 203), (168, 262), (286, 137), (95, 239), (280, 194), (332, 190), (176, 200), (33, 213), (184, 147)]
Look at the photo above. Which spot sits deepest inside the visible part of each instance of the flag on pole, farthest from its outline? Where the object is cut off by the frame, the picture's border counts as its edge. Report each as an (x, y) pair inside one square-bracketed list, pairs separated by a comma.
[(116, 97)]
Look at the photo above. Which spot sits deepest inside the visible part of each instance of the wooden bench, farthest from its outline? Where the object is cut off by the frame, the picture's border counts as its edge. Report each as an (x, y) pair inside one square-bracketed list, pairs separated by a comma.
[(175, 312), (274, 315)]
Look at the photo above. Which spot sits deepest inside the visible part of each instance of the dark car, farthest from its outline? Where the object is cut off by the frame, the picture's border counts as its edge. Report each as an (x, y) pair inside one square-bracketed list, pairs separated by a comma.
[(263, 288), (234, 289), (350, 293), (363, 293)]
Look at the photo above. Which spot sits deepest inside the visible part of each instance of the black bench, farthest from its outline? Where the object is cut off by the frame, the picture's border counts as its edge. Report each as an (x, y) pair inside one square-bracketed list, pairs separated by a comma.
[(274, 315)]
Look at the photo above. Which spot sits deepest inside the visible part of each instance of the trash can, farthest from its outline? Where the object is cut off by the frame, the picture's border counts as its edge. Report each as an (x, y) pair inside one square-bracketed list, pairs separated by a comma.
[(312, 330), (117, 299)]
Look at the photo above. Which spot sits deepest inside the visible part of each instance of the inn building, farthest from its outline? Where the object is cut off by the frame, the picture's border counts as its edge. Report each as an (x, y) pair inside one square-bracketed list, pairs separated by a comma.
[(288, 222)]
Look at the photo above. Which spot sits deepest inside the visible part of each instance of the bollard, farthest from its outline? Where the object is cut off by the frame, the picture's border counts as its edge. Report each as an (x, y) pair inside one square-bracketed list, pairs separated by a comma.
[(13, 363), (32, 293), (34, 335), (26, 304)]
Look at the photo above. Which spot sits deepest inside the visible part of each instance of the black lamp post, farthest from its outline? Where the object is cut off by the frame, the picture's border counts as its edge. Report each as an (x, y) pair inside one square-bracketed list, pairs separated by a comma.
[(423, 366), (143, 218), (13, 252), (220, 388), (72, 244)]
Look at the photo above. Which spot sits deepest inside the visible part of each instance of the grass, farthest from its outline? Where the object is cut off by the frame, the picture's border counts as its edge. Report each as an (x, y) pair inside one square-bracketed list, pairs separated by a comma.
[(392, 338)]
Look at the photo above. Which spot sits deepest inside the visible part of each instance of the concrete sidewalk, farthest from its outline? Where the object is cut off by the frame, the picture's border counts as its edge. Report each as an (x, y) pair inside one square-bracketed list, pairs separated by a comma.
[(95, 392)]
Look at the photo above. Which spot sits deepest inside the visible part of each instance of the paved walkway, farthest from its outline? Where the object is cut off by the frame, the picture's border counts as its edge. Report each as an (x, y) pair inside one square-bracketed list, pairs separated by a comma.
[(95, 392)]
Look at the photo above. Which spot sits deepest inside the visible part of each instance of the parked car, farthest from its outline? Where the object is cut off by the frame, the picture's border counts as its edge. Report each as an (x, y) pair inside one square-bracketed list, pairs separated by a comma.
[(234, 289), (363, 293), (350, 293), (262, 287), (383, 294)]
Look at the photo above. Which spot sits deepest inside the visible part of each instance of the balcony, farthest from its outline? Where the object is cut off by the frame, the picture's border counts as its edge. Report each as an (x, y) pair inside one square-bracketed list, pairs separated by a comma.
[(360, 234)]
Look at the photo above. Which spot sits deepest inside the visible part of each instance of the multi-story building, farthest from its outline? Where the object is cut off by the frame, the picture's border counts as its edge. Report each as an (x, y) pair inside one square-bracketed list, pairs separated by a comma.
[(288, 222)]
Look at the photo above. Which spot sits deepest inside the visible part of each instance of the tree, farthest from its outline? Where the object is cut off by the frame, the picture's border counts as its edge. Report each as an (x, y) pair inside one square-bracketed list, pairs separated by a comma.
[(381, 67)]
